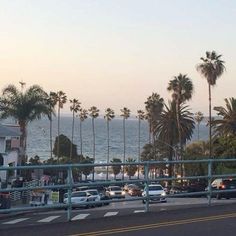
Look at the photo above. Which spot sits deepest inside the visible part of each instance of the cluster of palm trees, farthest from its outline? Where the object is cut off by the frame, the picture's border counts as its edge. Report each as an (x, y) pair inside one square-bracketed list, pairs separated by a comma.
[(170, 123)]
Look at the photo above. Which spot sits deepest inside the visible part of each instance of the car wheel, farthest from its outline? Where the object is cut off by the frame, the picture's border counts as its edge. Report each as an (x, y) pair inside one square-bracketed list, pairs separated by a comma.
[(144, 201), (218, 196)]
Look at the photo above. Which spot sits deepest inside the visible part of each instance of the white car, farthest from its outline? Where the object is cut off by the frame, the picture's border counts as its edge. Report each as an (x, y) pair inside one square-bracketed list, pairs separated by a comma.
[(156, 193), (115, 192), (93, 195), (78, 199)]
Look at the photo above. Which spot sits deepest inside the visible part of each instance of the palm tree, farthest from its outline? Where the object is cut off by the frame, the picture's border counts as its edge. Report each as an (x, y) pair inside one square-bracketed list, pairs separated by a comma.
[(24, 107), (109, 115), (226, 125), (211, 67), (94, 113), (83, 115), (130, 169), (153, 106), (61, 99), (116, 168), (74, 108), (140, 116), (52, 103), (198, 118), (167, 127), (125, 114)]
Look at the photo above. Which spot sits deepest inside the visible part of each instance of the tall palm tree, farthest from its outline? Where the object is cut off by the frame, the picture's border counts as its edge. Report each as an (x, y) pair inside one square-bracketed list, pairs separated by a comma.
[(61, 99), (140, 116), (24, 106), (109, 115), (153, 106), (52, 103), (93, 113), (198, 118), (211, 67), (167, 127), (226, 125), (125, 113), (74, 108), (83, 115)]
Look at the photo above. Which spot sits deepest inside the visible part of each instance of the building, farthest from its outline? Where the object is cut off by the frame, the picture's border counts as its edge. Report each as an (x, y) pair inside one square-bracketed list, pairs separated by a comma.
[(9, 148)]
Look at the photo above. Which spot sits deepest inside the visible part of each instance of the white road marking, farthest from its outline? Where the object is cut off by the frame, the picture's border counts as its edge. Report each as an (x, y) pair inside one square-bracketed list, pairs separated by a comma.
[(112, 213), (48, 219), (15, 221), (80, 217), (139, 211)]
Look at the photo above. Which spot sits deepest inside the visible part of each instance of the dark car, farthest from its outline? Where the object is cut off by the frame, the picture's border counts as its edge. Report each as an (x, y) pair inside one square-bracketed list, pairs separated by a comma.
[(135, 191), (224, 184)]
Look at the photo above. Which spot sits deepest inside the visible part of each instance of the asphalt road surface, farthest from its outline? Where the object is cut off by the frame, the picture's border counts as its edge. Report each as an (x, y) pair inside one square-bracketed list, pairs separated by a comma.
[(217, 220)]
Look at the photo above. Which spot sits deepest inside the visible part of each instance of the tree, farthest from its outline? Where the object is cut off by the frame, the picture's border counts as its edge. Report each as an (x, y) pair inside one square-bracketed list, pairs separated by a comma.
[(130, 169), (167, 128), (61, 99), (198, 118), (153, 106), (140, 116), (109, 115), (116, 168), (182, 89), (94, 113), (52, 103), (83, 115), (125, 113), (24, 107), (211, 67), (74, 108), (65, 148), (86, 170), (226, 124)]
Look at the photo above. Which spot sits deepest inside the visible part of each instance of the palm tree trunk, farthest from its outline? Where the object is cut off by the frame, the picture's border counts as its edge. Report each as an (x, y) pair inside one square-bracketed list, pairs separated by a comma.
[(108, 147), (81, 142), (58, 134), (210, 141), (51, 135), (139, 123), (198, 131), (124, 149), (72, 136), (93, 145)]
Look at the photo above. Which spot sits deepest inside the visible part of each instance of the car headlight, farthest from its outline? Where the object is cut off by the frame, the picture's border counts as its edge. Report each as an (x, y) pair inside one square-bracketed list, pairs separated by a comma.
[(163, 194), (112, 193), (123, 193)]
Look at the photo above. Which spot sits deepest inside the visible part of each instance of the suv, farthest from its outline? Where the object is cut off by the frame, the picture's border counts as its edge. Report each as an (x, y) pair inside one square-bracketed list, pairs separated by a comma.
[(224, 184), (156, 193), (115, 192)]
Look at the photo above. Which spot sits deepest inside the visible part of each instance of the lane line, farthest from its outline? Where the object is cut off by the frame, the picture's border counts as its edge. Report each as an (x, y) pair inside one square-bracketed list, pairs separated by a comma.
[(80, 217), (139, 211), (48, 219), (112, 213), (157, 225), (15, 221)]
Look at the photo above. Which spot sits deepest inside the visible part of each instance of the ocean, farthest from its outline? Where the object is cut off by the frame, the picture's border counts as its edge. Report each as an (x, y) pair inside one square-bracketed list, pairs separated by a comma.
[(38, 140)]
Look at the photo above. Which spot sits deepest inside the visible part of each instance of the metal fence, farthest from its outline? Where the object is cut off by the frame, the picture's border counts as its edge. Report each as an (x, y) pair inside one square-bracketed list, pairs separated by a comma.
[(69, 184)]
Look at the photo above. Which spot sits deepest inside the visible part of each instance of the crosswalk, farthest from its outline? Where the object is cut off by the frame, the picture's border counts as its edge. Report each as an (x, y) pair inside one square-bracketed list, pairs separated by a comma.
[(52, 218)]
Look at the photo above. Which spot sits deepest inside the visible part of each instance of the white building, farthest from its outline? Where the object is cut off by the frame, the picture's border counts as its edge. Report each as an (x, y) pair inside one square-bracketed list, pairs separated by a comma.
[(9, 148)]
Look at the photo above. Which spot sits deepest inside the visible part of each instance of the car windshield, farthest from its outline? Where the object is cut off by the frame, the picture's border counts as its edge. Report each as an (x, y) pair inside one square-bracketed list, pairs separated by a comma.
[(93, 192), (79, 194), (229, 182), (153, 188), (115, 188)]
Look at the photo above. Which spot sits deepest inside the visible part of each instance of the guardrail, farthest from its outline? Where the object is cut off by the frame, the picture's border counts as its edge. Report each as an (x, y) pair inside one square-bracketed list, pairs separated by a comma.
[(70, 184)]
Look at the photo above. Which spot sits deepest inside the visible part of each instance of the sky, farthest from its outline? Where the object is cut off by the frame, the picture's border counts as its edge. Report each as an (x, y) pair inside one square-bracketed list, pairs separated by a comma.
[(115, 53)]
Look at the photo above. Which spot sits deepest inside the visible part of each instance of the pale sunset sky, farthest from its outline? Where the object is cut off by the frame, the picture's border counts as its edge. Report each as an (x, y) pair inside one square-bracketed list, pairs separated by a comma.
[(115, 53)]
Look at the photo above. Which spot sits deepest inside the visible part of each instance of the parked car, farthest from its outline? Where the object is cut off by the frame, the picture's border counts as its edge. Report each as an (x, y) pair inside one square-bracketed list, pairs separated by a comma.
[(115, 192), (78, 199), (134, 190), (224, 184), (156, 193)]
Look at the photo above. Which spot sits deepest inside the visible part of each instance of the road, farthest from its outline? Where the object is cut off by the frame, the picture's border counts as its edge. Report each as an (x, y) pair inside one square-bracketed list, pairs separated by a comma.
[(127, 218)]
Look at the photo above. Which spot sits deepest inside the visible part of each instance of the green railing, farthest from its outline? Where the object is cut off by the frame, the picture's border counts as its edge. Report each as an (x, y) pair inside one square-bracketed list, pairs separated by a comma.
[(69, 184)]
